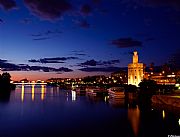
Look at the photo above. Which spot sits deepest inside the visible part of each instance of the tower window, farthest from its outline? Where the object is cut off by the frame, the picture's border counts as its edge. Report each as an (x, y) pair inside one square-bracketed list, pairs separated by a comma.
[(135, 77)]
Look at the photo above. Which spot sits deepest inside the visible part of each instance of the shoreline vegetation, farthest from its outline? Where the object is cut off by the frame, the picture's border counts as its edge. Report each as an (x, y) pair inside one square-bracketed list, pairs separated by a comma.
[(5, 83), (6, 87)]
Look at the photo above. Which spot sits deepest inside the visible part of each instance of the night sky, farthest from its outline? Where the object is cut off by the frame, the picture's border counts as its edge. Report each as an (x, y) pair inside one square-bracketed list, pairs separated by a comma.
[(40, 39)]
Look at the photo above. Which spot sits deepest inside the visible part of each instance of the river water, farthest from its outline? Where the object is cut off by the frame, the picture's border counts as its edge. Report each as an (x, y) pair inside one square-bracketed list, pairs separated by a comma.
[(40, 111)]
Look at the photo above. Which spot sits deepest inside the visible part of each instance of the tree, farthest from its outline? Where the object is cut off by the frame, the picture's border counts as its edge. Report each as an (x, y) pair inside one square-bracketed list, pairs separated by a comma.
[(6, 77), (5, 84), (130, 88), (148, 86), (147, 89)]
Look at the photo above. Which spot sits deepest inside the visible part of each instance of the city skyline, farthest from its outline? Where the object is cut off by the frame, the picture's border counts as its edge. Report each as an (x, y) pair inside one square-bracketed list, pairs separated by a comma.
[(51, 38)]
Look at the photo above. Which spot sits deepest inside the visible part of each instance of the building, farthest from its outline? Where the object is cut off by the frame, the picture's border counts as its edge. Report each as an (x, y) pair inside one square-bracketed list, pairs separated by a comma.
[(120, 76), (161, 77), (135, 71)]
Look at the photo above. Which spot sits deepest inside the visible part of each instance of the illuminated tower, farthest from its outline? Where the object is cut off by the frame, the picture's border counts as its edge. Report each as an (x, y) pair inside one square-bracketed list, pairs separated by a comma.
[(135, 71)]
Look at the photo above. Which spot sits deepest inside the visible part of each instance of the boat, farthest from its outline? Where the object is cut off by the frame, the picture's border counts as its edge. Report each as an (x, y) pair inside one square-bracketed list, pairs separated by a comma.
[(80, 90), (116, 93), (95, 91)]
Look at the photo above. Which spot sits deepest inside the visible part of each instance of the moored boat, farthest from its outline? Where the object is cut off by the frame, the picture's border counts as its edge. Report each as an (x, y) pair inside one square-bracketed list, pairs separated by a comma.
[(116, 93), (95, 91), (80, 90)]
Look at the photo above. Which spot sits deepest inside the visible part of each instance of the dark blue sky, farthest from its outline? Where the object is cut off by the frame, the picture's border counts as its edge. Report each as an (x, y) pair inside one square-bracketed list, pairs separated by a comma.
[(71, 38)]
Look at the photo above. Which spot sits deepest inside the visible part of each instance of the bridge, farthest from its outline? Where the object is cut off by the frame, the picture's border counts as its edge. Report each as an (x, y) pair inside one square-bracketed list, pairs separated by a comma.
[(34, 83)]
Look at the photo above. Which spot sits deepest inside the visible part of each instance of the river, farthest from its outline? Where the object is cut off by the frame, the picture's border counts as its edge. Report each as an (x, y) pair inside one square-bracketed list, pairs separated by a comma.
[(40, 111)]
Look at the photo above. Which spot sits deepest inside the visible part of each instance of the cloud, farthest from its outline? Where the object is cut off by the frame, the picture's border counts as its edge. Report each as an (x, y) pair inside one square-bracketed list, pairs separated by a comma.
[(78, 53), (126, 43), (62, 69), (52, 60), (8, 66), (50, 69), (56, 31), (110, 62), (46, 35), (44, 61), (48, 9), (34, 61), (8, 4), (5, 66), (100, 69), (3, 61), (43, 38), (90, 63), (100, 63)]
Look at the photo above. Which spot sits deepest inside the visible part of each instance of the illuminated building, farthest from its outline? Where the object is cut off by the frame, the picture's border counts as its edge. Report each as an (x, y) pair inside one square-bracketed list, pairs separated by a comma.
[(120, 76), (135, 71)]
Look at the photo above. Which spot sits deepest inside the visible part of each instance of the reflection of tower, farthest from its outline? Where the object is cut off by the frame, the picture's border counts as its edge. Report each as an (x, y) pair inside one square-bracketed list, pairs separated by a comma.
[(134, 118), (135, 71)]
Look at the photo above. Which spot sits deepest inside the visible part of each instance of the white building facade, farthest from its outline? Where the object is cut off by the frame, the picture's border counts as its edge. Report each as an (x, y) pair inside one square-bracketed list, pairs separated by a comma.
[(135, 71)]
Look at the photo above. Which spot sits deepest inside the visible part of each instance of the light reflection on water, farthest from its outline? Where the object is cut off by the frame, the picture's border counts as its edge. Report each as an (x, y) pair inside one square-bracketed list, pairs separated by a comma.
[(32, 92), (163, 114), (73, 95), (42, 92), (38, 110), (134, 118), (22, 93)]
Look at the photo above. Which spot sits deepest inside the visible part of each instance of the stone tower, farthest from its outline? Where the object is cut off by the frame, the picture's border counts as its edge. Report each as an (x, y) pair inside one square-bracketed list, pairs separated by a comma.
[(135, 71)]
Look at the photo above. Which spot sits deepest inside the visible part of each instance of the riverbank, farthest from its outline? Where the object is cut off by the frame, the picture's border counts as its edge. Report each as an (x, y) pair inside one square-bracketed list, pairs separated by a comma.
[(166, 102)]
